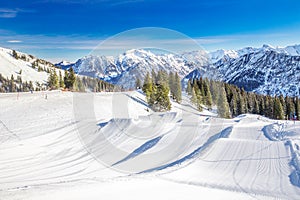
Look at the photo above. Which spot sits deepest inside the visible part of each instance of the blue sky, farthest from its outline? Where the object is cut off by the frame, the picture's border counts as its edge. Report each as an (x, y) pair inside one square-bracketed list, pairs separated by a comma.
[(70, 29)]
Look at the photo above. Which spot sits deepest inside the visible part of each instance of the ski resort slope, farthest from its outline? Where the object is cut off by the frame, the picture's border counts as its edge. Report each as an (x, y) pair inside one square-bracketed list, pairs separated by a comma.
[(10, 66), (50, 148)]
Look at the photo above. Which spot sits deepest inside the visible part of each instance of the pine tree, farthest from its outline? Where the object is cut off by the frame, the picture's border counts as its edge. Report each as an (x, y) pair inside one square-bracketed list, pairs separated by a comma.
[(15, 55), (72, 77), (256, 106), (214, 89), (207, 94), (69, 78), (31, 86), (53, 80), (223, 107), (241, 104), (12, 85), (172, 84), (40, 69), (278, 110), (234, 105), (148, 87), (61, 80), (161, 98), (283, 103), (290, 108), (297, 108), (198, 97), (193, 96), (189, 88), (177, 89)]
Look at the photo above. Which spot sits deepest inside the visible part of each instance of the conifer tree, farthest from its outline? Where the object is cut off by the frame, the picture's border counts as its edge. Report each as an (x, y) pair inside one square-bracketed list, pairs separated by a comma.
[(297, 108), (12, 85), (31, 86), (61, 80), (172, 84), (148, 86), (283, 103), (207, 94), (161, 98), (193, 96), (53, 80), (177, 89), (241, 104), (214, 91), (290, 108), (15, 55), (69, 78), (189, 88), (72, 77), (278, 110), (256, 106), (223, 107), (234, 105)]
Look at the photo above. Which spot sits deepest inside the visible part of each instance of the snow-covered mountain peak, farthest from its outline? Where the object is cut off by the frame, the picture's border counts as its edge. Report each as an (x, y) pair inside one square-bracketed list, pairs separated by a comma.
[(222, 54), (140, 53), (268, 47)]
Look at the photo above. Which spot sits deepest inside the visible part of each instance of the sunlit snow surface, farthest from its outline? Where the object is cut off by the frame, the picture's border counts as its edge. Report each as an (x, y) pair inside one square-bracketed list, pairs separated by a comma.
[(193, 156)]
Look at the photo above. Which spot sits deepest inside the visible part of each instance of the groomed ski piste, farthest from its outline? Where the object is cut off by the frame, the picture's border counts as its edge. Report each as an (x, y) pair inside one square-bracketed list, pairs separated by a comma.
[(50, 149)]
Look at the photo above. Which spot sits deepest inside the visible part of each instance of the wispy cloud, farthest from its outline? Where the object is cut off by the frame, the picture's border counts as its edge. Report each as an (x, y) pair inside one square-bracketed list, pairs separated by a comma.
[(12, 13), (72, 47), (14, 41), (8, 13)]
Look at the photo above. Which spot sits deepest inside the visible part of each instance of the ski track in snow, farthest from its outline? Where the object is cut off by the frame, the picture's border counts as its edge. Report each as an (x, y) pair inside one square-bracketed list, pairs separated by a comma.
[(41, 153)]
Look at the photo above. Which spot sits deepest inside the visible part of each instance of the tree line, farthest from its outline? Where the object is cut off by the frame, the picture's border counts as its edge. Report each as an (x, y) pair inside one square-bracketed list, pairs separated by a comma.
[(55, 81), (232, 101), (76, 83), (13, 84), (157, 88)]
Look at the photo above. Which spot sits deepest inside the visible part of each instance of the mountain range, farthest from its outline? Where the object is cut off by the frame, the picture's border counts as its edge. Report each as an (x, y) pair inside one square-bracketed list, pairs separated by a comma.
[(265, 70)]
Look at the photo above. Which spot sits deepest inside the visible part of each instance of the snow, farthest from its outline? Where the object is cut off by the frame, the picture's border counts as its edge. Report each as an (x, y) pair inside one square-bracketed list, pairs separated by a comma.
[(288, 132), (11, 66), (181, 154)]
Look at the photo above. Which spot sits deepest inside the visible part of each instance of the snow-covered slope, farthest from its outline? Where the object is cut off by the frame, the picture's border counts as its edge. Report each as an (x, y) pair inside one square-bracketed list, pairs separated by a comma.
[(173, 155), (12, 66)]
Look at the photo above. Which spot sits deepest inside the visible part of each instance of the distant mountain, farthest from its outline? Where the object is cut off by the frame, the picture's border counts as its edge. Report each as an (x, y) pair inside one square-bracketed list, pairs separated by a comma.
[(64, 64), (124, 69), (265, 70)]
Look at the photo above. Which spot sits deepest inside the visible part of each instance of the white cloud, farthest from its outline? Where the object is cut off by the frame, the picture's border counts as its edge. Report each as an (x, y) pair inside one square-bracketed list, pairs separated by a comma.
[(14, 41), (8, 13), (12, 13)]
